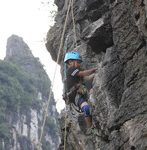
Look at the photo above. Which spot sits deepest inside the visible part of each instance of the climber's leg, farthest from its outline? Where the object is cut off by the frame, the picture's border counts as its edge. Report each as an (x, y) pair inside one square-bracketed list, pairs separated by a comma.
[(86, 109)]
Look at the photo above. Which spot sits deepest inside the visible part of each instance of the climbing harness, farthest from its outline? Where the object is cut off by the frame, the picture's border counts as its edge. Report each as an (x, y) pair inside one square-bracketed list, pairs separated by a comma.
[(67, 95)]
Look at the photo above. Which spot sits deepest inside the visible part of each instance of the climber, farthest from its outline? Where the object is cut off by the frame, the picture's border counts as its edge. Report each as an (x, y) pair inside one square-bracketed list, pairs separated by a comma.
[(77, 92)]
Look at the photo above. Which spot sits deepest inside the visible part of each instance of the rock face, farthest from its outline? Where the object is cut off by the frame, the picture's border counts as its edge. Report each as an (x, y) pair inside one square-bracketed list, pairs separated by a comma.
[(112, 36), (25, 117), (17, 48)]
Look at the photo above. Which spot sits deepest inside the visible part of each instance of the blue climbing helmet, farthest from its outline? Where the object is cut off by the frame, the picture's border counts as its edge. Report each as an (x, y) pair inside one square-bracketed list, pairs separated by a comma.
[(73, 55)]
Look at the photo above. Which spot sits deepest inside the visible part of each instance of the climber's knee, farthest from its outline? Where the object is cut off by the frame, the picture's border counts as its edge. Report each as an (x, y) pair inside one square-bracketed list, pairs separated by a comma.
[(86, 109)]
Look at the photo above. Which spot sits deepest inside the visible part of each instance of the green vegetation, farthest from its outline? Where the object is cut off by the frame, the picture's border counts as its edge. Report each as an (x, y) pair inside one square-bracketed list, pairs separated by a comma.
[(15, 90), (50, 123), (18, 92), (20, 82), (51, 129), (37, 75)]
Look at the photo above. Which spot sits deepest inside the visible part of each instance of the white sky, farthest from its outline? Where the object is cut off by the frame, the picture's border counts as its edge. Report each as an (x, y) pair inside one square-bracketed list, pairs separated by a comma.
[(31, 19)]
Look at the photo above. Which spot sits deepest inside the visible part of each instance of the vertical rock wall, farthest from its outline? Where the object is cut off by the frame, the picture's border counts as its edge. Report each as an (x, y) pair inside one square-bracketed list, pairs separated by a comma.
[(112, 36)]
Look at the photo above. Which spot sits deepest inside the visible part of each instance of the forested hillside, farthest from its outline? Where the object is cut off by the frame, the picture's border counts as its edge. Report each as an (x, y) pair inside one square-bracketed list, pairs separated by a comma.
[(24, 92)]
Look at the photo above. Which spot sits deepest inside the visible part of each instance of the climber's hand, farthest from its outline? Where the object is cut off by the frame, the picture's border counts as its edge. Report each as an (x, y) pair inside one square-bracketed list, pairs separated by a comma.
[(93, 70)]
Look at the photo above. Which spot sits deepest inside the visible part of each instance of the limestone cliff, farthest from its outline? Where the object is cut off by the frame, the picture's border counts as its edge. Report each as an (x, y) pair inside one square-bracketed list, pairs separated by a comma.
[(24, 92), (112, 36)]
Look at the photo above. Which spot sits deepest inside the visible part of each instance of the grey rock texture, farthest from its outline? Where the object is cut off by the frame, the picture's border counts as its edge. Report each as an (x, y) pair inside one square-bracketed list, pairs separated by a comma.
[(112, 36)]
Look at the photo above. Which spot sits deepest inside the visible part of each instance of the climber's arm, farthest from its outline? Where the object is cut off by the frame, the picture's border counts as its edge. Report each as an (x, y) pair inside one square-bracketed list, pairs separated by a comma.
[(86, 72), (90, 77)]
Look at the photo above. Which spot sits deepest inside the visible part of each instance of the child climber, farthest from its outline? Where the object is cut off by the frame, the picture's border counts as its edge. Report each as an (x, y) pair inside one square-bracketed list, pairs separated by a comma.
[(75, 80)]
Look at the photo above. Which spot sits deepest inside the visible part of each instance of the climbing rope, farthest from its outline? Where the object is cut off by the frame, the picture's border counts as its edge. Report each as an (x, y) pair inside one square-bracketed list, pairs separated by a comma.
[(57, 62), (74, 26), (65, 130), (51, 87), (75, 39)]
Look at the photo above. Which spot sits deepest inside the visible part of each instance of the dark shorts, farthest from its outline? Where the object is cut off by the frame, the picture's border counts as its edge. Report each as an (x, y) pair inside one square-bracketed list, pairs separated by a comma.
[(79, 99)]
